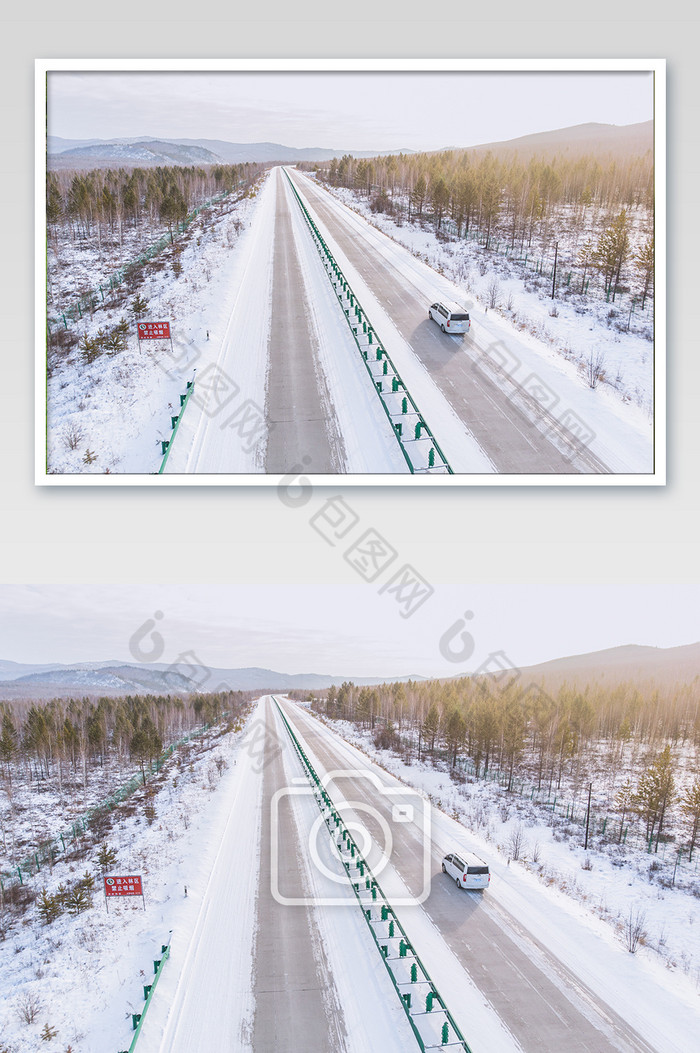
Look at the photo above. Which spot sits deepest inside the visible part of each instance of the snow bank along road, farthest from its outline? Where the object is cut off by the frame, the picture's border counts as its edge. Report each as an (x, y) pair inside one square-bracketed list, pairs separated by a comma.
[(286, 386), (260, 973)]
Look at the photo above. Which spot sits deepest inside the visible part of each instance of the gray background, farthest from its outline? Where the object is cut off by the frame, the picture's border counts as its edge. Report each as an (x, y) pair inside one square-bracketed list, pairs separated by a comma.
[(514, 534)]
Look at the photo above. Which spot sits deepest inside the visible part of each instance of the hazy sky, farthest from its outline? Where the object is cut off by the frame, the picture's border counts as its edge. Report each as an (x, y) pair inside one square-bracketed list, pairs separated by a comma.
[(348, 630), (357, 110)]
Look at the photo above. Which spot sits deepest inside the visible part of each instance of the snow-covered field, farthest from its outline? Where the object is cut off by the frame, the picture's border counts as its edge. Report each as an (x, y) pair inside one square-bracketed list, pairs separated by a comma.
[(110, 416), (84, 975), (119, 406), (598, 886)]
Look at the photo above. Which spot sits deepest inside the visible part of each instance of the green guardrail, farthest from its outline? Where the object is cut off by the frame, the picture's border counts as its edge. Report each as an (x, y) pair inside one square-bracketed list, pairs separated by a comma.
[(407, 423), (137, 1019), (166, 444), (417, 993)]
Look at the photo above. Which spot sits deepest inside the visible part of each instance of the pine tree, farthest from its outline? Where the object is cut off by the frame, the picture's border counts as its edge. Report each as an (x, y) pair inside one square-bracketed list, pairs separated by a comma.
[(623, 800), (79, 898), (106, 858), (440, 199), (644, 265), (54, 203), (690, 806), (654, 793), (419, 195), (49, 907), (90, 349), (145, 744), (611, 252), (455, 733), (8, 742), (364, 706), (431, 725), (490, 205), (584, 260)]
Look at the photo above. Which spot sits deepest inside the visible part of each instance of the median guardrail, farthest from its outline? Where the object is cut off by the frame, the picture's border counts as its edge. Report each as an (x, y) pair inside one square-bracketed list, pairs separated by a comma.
[(432, 1023)]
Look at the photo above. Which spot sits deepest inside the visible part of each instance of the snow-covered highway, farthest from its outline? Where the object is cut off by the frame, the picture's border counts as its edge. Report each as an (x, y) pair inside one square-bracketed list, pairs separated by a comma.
[(284, 385), (543, 1005), (270, 964), (516, 434)]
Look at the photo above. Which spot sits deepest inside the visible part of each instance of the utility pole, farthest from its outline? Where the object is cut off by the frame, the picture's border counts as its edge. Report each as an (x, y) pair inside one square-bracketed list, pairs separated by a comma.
[(554, 276), (588, 813)]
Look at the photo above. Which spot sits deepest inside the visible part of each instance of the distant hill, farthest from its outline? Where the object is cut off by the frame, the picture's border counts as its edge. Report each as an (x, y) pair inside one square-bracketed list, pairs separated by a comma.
[(609, 139), (115, 678), (667, 665), (144, 152)]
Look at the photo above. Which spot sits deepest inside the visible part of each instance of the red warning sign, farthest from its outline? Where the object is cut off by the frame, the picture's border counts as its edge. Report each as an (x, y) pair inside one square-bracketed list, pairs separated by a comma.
[(129, 885), (153, 330)]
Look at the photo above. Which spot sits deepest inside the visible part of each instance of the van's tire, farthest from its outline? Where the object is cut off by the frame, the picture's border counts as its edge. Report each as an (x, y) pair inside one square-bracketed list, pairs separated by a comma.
[(443, 328), (458, 883), (443, 869)]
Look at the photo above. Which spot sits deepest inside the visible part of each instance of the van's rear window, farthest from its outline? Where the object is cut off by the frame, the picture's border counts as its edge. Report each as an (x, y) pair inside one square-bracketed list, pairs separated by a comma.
[(477, 870), (459, 317)]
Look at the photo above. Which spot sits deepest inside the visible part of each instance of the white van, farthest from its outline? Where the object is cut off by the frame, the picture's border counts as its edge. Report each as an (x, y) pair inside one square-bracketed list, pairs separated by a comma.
[(467, 870), (450, 321)]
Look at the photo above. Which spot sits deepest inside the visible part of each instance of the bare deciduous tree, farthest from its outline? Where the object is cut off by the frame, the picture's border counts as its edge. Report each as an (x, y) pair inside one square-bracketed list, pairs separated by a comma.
[(516, 841), (635, 931), (595, 370), (494, 291)]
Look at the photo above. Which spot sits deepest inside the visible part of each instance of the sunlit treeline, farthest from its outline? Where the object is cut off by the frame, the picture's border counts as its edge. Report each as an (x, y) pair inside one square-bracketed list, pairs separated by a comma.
[(501, 726), (542, 734), (477, 190)]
